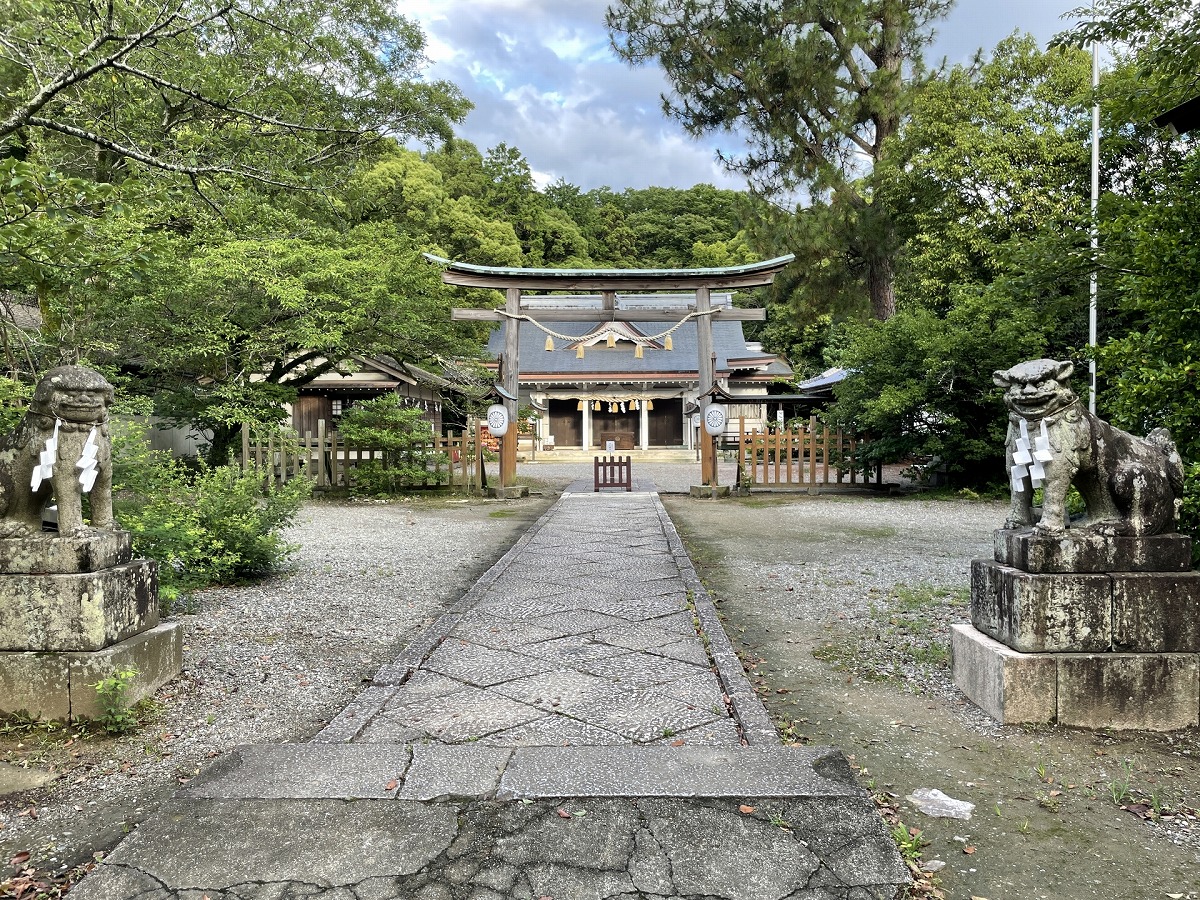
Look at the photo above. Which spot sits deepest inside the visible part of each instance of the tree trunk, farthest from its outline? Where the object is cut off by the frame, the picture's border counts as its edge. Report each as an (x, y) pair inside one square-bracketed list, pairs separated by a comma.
[(880, 283), (225, 438)]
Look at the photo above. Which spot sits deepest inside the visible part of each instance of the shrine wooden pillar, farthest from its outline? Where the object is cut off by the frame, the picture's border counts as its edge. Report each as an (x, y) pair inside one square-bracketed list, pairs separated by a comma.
[(511, 385), (704, 369)]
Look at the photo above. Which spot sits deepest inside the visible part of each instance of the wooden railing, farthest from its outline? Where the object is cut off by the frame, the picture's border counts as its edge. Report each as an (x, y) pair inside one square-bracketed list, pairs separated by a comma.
[(326, 458), (805, 454)]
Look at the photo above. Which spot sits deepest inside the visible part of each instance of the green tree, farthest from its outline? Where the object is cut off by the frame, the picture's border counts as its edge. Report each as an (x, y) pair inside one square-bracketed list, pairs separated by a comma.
[(992, 203), (224, 332), (1150, 366), (403, 435), (993, 164), (816, 88), (1161, 37), (115, 116), (267, 90), (1149, 353), (410, 192)]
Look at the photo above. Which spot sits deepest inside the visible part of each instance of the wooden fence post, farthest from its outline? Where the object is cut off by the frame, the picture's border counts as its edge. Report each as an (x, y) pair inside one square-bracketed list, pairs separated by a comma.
[(319, 449)]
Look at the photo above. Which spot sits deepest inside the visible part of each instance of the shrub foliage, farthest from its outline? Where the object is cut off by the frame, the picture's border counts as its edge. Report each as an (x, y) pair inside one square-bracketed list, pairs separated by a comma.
[(204, 524)]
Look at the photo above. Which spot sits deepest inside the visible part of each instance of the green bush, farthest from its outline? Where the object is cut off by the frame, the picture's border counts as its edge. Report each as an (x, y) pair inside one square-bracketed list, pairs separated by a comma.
[(204, 524), (404, 438)]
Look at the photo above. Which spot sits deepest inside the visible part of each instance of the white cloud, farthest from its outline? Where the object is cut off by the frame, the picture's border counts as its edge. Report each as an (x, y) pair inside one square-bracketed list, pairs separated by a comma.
[(545, 80)]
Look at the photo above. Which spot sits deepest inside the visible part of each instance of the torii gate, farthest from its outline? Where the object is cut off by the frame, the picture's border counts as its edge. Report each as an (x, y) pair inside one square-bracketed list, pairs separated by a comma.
[(607, 282)]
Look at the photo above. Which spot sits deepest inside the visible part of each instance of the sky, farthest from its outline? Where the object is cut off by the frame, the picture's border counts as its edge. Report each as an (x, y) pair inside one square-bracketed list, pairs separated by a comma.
[(544, 79)]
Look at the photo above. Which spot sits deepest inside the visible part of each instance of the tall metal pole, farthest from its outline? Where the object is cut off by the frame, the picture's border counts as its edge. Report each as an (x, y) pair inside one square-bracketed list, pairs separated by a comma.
[(1094, 287)]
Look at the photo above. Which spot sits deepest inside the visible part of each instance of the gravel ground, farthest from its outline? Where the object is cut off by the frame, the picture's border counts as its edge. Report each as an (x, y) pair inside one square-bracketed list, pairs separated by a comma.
[(265, 663), (840, 608)]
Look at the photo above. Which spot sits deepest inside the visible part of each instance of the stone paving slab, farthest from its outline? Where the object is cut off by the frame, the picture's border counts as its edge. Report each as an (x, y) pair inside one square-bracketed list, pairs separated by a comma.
[(439, 772), (305, 771), (542, 772), (574, 850)]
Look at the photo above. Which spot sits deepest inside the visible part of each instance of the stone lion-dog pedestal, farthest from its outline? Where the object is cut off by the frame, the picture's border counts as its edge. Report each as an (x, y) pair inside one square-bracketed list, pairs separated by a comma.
[(1093, 623), (75, 606)]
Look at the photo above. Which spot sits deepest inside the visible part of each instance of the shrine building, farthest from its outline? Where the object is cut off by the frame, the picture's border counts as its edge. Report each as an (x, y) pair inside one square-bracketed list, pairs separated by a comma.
[(634, 383)]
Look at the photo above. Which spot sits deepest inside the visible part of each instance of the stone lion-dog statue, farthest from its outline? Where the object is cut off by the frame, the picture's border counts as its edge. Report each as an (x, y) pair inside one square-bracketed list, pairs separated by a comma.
[(61, 449), (1131, 486)]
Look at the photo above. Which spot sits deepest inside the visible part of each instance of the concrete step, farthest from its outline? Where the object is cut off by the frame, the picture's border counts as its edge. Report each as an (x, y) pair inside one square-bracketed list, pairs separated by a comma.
[(479, 772), (562, 822), (657, 455)]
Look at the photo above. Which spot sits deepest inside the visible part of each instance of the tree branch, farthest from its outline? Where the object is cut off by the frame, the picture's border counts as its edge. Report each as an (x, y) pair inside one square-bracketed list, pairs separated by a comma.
[(147, 159), (68, 76), (226, 107), (846, 52)]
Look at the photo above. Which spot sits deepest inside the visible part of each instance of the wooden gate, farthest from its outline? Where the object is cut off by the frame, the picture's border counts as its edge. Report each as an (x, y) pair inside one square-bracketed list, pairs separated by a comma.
[(804, 454)]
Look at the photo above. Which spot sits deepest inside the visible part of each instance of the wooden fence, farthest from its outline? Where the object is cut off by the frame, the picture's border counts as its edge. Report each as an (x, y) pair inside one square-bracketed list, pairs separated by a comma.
[(805, 454), (327, 458)]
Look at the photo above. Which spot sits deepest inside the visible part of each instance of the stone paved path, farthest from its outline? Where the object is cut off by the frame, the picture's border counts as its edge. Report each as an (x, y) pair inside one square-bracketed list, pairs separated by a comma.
[(577, 726), (587, 633)]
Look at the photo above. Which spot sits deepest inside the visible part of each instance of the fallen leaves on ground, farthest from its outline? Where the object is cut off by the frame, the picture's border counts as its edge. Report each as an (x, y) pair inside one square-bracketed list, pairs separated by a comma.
[(746, 810), (30, 882)]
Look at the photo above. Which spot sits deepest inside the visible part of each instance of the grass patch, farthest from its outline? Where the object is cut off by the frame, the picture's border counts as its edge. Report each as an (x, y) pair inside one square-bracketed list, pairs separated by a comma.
[(906, 639), (879, 533)]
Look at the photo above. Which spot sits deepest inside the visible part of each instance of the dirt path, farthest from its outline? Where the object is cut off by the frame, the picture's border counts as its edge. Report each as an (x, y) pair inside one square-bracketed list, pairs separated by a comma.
[(871, 586)]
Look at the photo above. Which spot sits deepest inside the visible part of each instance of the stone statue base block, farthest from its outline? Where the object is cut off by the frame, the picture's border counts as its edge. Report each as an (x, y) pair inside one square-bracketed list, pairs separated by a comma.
[(78, 611), (1156, 613), (1084, 551), (1010, 687), (61, 686), (1149, 691), (1133, 612), (1038, 613), (49, 553)]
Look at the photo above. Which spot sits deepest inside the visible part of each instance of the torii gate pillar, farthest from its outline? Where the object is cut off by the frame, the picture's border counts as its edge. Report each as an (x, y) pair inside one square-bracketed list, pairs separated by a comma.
[(511, 385)]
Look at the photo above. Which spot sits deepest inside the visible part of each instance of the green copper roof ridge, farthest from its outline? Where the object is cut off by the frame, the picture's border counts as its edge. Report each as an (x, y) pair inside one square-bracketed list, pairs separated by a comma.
[(745, 268)]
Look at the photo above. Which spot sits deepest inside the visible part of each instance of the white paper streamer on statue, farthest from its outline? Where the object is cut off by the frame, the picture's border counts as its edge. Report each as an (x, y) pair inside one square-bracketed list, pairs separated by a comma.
[(87, 463), (45, 467), (1030, 461)]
